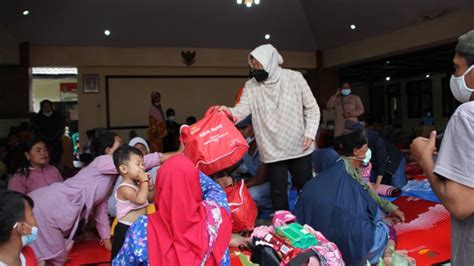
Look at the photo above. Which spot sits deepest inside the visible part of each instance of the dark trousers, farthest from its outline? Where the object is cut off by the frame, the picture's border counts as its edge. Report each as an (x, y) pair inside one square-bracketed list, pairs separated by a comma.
[(119, 237), (301, 171)]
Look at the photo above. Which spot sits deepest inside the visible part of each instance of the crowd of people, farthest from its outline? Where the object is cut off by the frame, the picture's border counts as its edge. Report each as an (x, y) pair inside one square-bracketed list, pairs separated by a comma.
[(152, 206)]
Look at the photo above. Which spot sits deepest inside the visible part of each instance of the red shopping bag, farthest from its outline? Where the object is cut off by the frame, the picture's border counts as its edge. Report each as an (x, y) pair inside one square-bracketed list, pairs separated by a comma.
[(243, 209), (213, 143)]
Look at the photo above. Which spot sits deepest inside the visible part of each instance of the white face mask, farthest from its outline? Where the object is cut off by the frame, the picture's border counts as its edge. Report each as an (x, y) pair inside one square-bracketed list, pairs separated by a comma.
[(459, 88), (331, 127), (368, 157), (171, 118), (346, 92), (48, 114)]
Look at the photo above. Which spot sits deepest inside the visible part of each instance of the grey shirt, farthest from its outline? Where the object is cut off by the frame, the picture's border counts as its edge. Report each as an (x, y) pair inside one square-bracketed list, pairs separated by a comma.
[(456, 162)]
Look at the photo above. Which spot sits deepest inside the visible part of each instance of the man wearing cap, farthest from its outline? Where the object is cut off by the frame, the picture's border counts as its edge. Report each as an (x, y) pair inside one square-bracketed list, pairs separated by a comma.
[(452, 175)]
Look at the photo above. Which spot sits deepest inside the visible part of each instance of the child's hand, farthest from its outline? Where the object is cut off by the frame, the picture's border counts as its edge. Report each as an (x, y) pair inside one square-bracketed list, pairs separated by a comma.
[(143, 177)]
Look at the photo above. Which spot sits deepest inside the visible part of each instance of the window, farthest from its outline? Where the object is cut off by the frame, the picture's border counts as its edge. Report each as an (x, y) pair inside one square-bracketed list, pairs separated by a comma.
[(449, 102), (419, 97), (394, 105)]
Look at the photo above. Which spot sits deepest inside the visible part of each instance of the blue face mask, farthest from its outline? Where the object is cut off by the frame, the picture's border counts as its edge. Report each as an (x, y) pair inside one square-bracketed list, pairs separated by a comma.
[(30, 238), (346, 92)]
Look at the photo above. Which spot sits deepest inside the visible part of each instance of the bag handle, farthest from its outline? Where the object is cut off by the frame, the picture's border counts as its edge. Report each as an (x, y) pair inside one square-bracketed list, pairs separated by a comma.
[(214, 109), (183, 133), (242, 184)]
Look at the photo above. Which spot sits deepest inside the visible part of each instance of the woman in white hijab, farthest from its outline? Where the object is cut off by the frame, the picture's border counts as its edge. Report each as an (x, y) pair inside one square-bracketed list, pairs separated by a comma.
[(142, 145), (285, 116)]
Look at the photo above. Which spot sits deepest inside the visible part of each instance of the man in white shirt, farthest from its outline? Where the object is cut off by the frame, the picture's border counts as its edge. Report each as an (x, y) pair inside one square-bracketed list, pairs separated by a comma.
[(452, 176)]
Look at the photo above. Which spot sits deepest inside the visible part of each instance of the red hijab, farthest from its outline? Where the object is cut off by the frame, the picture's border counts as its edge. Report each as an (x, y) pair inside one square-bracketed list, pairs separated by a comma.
[(177, 231)]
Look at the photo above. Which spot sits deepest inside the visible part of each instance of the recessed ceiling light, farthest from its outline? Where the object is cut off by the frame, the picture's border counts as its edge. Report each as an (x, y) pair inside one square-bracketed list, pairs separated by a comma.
[(353, 27), (107, 32), (428, 76), (257, 2), (387, 78), (267, 36), (388, 62), (248, 4), (239, 2), (26, 13)]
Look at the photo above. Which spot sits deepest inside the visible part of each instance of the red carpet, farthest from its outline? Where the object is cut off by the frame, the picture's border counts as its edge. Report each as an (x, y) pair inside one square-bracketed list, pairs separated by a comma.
[(88, 252), (426, 232)]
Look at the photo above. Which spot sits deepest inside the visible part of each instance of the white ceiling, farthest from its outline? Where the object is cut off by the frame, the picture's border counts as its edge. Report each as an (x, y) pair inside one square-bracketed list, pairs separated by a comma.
[(304, 25)]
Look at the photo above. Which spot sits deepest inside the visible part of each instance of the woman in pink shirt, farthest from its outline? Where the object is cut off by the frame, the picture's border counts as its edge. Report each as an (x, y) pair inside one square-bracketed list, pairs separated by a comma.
[(35, 171), (61, 206)]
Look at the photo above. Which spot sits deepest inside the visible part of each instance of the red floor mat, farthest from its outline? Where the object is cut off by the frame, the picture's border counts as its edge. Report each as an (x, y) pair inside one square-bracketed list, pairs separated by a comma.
[(88, 252), (426, 233)]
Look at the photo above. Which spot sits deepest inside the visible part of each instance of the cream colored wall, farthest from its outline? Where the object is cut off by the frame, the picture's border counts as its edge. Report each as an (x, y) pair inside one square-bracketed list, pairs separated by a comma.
[(154, 57), (47, 89), (129, 98), (425, 34), (92, 107), (9, 48)]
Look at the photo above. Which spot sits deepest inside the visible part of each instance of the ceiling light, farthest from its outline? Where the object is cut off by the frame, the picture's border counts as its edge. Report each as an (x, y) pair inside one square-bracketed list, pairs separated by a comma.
[(26, 13), (353, 27), (267, 36), (428, 76), (388, 62), (107, 32), (387, 78), (248, 3)]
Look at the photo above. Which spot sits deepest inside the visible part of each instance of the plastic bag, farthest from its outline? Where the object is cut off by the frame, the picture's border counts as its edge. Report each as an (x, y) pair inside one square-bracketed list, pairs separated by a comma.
[(213, 143), (242, 207)]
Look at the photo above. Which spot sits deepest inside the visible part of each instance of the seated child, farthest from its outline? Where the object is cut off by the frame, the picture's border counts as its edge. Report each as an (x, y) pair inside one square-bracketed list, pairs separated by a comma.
[(133, 193)]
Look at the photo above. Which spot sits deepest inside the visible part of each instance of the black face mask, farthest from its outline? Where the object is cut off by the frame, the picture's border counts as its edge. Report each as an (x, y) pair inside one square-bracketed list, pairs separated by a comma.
[(259, 74)]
